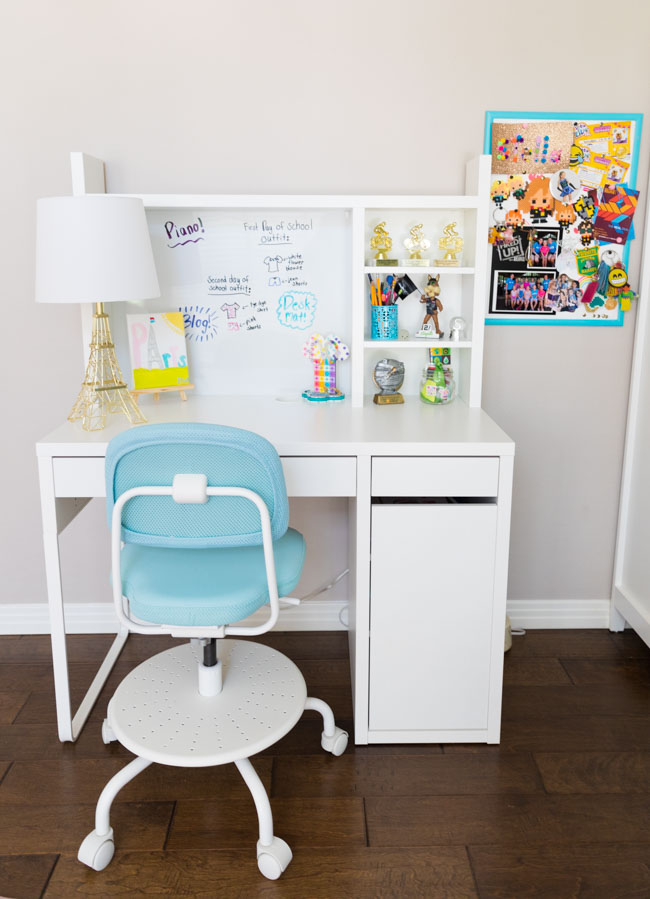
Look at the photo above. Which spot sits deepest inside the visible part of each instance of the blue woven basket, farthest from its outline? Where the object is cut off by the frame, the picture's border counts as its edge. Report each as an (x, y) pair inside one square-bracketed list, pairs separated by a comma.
[(384, 322)]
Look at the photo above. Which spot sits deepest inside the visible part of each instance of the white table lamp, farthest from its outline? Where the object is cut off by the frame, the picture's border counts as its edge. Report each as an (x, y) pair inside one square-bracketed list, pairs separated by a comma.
[(96, 248)]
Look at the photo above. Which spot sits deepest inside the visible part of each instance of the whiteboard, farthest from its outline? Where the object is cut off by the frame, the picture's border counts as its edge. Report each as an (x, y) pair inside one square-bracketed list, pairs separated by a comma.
[(253, 285)]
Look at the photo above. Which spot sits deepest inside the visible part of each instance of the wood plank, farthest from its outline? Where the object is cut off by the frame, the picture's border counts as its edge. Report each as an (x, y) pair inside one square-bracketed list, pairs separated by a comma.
[(630, 645), (301, 822), (315, 645), (37, 676), (507, 819), (324, 672), (433, 775), (435, 872), (28, 828), (25, 876), (617, 672), (28, 782), (11, 703), (564, 644), (550, 731), (606, 733), (29, 742), (31, 648), (591, 699), (617, 871), (534, 672), (595, 772)]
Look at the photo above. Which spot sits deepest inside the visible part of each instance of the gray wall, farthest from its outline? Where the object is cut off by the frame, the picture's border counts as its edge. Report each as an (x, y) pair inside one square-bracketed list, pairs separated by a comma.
[(312, 97)]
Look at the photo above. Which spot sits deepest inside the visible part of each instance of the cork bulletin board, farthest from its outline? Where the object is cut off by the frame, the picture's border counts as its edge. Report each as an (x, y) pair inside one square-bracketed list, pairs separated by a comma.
[(562, 202)]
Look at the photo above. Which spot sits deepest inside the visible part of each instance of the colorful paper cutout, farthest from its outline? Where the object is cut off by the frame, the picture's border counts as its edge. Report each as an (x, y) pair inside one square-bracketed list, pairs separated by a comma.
[(615, 213)]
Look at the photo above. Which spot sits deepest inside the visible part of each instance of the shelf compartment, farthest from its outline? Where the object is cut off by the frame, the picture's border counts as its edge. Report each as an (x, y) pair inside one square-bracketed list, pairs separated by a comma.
[(421, 344), (418, 270)]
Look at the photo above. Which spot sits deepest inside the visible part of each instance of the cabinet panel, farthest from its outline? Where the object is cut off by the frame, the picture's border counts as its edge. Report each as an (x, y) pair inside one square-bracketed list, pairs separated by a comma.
[(435, 476), (432, 582)]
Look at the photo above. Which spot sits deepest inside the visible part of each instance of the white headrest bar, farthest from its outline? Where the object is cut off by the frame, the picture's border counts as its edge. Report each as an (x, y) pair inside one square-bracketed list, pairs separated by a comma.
[(190, 488)]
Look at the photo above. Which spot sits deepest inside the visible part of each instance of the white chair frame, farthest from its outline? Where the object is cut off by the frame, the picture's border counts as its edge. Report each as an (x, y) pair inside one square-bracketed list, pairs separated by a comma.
[(204, 492)]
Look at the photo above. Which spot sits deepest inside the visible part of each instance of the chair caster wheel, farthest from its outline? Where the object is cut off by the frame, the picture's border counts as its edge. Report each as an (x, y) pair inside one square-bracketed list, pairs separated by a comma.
[(273, 859), (97, 850), (337, 743), (107, 732)]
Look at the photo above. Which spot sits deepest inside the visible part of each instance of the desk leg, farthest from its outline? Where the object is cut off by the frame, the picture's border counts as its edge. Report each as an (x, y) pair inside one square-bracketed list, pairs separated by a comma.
[(359, 619), (68, 729)]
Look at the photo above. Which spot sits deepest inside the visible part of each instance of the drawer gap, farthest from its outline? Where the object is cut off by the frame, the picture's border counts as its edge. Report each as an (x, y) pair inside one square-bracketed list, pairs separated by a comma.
[(432, 500)]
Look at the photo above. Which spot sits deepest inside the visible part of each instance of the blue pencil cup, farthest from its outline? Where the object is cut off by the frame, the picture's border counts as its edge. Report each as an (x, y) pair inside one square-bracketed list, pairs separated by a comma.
[(384, 322)]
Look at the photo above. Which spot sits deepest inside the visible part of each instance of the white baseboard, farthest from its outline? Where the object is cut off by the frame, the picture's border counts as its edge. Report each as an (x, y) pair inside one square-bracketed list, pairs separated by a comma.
[(314, 615), (558, 613), (99, 617)]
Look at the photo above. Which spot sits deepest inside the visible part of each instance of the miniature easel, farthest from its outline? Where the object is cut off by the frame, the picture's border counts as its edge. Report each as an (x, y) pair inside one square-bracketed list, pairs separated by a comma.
[(177, 388)]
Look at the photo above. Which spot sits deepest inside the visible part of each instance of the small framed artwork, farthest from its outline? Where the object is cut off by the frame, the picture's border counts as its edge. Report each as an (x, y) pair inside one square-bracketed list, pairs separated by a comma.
[(158, 353), (562, 202)]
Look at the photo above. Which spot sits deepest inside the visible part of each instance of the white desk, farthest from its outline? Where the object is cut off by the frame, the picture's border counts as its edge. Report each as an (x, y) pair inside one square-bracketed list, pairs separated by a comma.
[(442, 571)]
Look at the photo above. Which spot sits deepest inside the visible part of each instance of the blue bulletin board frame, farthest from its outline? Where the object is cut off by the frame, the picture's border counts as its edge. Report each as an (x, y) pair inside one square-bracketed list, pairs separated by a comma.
[(637, 118)]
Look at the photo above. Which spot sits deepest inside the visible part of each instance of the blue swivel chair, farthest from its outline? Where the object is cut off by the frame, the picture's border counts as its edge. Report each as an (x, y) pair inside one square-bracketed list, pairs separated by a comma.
[(200, 540)]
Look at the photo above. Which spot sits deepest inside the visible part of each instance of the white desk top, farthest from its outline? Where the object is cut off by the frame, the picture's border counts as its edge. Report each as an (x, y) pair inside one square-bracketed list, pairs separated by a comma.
[(299, 428)]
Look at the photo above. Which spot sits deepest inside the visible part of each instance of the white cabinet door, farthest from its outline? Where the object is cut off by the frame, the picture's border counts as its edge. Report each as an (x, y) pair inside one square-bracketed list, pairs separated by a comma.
[(432, 581)]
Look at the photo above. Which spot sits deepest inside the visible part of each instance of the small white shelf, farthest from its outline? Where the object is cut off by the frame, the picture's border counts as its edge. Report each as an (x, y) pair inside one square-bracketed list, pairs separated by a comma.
[(419, 270), (420, 343)]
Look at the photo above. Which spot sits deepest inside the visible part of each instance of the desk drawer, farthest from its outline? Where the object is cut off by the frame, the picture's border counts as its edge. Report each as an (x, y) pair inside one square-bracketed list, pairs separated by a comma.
[(304, 475), (79, 476), (320, 475), (435, 476)]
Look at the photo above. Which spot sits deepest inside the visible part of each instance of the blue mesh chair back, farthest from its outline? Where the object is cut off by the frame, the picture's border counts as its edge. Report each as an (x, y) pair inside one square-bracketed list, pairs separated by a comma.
[(230, 457)]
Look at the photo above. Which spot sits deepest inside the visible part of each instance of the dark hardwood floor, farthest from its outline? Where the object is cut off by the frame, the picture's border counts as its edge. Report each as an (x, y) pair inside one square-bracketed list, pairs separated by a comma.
[(561, 809)]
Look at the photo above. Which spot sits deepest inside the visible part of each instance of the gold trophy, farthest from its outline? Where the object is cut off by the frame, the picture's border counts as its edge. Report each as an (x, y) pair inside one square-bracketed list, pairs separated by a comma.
[(382, 243), (416, 244), (451, 243)]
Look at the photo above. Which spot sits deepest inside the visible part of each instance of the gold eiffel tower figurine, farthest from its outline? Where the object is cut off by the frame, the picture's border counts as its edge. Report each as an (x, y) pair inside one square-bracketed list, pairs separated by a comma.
[(103, 390)]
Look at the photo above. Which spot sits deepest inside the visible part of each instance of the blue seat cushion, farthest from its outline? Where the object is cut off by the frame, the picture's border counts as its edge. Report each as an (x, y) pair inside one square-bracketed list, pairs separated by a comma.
[(193, 587)]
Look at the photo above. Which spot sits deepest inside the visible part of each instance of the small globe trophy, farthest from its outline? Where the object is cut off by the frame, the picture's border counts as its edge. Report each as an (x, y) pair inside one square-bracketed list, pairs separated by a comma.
[(389, 377)]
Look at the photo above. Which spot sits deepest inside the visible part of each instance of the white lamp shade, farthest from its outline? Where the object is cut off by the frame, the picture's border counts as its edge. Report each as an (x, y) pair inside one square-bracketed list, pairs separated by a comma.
[(93, 249)]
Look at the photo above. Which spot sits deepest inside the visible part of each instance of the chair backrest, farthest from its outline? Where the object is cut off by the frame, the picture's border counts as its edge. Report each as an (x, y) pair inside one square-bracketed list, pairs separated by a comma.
[(151, 455)]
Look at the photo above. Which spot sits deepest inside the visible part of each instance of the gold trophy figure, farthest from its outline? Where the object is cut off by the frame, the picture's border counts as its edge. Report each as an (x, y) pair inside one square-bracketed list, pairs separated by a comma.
[(416, 244), (382, 243), (451, 243)]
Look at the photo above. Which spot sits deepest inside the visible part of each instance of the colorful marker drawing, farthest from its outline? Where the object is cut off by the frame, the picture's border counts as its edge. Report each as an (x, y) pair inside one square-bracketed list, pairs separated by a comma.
[(297, 309), (200, 323), (158, 353)]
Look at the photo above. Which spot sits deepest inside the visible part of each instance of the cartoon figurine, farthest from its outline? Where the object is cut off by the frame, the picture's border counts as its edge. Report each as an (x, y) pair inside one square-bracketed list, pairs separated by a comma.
[(500, 192), (586, 230), (566, 216), (431, 297), (517, 185), (538, 202), (514, 219)]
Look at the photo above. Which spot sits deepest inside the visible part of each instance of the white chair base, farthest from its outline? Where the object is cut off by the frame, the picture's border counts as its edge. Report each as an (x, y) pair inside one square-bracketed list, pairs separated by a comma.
[(159, 714)]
